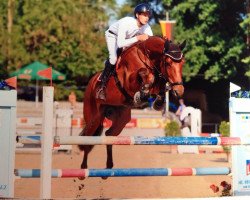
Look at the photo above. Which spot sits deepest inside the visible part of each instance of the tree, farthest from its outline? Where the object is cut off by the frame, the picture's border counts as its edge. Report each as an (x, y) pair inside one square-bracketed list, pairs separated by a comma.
[(68, 35), (215, 39), (246, 27)]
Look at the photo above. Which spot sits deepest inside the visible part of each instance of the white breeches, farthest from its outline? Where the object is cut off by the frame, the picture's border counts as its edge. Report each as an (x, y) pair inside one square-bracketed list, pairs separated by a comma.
[(112, 47)]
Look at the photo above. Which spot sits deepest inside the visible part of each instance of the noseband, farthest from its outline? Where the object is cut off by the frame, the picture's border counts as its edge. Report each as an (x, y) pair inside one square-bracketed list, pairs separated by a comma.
[(169, 85)]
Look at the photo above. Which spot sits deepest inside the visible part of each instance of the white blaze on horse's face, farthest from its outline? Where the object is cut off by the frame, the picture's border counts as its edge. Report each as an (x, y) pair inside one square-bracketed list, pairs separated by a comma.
[(174, 71)]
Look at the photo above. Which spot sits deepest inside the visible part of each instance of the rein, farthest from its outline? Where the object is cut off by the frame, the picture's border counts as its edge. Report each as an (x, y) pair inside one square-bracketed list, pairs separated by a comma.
[(146, 56), (129, 99)]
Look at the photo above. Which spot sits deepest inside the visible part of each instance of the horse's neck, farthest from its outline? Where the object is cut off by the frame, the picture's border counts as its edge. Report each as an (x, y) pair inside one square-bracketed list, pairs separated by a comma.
[(130, 49), (142, 52), (127, 54)]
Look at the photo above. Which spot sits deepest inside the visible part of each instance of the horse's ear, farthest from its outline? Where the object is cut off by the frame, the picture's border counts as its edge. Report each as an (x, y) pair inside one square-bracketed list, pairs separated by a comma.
[(166, 46), (182, 45)]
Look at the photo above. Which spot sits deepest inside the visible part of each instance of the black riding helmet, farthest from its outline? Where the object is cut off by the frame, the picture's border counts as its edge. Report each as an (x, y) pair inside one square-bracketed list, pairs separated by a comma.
[(142, 8)]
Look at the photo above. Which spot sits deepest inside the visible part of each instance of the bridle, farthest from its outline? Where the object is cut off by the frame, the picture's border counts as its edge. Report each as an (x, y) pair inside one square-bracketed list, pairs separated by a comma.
[(160, 73), (169, 85)]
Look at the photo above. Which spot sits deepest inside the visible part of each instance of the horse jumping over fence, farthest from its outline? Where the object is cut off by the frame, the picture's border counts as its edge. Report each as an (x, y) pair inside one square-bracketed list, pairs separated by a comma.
[(142, 70)]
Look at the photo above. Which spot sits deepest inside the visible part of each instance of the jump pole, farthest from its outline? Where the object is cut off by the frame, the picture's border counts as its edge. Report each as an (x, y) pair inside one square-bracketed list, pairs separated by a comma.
[(128, 172), (47, 143), (137, 140)]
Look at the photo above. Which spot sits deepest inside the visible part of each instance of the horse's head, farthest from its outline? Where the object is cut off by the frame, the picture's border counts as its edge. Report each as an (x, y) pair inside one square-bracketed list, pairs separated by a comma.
[(172, 65)]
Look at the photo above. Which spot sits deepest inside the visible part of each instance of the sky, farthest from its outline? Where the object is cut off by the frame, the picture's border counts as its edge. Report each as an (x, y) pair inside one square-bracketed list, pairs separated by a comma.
[(120, 2)]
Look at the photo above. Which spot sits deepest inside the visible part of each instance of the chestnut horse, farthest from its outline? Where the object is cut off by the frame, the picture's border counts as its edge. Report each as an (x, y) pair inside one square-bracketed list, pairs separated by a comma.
[(143, 69)]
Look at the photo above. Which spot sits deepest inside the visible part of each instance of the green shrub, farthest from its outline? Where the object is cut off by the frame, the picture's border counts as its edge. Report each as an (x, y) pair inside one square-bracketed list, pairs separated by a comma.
[(172, 128), (224, 129)]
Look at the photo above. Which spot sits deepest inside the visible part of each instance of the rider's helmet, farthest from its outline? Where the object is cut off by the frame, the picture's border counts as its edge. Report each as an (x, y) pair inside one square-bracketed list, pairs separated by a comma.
[(142, 8)]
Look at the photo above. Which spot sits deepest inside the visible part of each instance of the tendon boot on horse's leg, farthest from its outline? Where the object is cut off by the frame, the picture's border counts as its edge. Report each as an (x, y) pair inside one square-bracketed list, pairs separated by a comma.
[(101, 93), (142, 95)]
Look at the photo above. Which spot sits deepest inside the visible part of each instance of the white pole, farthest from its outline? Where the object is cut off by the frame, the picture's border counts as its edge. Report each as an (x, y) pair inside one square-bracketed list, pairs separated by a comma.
[(47, 143), (167, 102), (8, 103), (167, 16)]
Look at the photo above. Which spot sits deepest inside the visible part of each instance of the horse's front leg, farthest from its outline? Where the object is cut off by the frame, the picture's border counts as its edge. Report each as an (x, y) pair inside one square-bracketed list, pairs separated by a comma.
[(159, 102), (147, 79)]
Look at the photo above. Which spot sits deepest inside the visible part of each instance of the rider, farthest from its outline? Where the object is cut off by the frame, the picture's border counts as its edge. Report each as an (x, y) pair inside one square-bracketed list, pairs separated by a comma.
[(121, 34)]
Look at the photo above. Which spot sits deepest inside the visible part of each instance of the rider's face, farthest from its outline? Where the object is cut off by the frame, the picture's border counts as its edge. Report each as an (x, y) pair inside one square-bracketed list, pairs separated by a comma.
[(143, 17)]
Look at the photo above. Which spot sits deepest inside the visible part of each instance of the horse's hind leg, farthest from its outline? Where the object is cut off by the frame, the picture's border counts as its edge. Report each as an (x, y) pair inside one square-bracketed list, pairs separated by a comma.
[(95, 128), (120, 118)]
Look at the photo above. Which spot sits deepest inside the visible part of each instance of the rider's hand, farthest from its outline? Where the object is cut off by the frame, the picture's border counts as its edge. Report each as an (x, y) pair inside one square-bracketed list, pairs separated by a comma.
[(142, 37)]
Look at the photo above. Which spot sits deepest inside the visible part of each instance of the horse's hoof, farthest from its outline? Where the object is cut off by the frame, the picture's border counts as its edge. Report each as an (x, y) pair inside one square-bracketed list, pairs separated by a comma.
[(158, 108), (158, 105), (81, 178)]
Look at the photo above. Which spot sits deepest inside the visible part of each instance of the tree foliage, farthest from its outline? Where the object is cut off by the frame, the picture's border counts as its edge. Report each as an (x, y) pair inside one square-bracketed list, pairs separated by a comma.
[(215, 39), (65, 34)]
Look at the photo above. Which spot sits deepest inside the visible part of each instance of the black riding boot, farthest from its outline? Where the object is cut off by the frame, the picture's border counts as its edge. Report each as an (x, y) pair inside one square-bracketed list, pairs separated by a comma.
[(101, 93)]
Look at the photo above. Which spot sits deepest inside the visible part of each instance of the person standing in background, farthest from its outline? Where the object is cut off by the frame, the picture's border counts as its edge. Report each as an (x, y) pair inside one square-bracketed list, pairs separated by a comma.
[(72, 99), (181, 107)]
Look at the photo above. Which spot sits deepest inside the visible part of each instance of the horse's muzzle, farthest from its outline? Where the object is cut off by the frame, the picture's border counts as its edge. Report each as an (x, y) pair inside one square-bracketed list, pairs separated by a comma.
[(178, 90)]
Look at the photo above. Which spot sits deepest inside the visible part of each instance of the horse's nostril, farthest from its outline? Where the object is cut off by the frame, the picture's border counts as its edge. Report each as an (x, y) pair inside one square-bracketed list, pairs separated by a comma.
[(178, 93)]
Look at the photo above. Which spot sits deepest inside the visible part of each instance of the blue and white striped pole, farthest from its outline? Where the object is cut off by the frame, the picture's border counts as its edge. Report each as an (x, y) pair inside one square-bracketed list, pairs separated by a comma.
[(69, 173)]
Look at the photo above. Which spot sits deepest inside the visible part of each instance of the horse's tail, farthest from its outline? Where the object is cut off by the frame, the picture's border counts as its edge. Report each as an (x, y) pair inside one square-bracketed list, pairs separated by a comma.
[(90, 111)]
